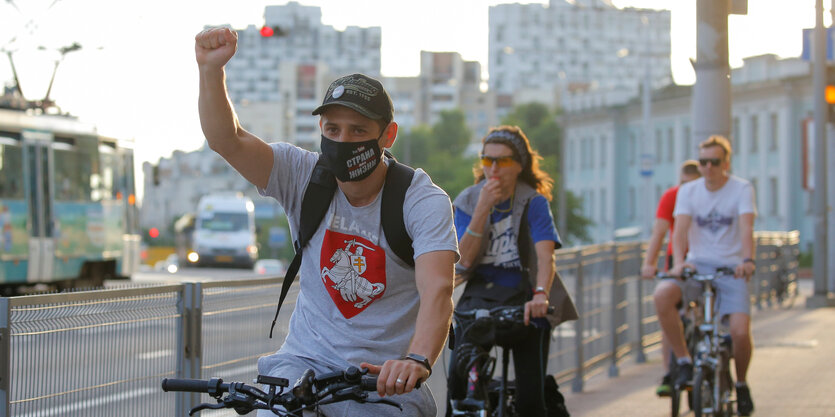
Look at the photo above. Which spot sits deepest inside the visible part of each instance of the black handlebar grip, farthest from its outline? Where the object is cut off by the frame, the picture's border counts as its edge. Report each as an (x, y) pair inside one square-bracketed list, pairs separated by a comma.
[(187, 385), (369, 383), (551, 309)]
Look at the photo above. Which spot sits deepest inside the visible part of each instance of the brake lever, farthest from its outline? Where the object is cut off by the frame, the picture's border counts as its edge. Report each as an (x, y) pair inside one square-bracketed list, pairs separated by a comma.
[(205, 406), (357, 394)]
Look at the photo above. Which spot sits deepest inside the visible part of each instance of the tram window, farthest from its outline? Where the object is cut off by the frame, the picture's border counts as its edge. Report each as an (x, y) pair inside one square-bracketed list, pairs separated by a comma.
[(106, 189), (73, 170), (11, 172)]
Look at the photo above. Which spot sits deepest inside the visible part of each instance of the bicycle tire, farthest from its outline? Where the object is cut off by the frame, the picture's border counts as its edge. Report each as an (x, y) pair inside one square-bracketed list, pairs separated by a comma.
[(675, 393), (675, 402), (724, 382), (703, 401)]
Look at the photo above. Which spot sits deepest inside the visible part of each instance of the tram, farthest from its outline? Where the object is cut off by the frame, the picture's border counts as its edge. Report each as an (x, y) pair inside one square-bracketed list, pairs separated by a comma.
[(68, 215)]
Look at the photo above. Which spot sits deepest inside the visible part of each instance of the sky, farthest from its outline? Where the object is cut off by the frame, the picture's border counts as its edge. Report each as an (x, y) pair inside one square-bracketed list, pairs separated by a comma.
[(136, 77)]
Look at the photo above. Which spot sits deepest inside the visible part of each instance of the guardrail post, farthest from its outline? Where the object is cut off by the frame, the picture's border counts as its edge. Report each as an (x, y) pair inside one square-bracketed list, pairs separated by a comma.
[(577, 385), (189, 349), (613, 305), (5, 356), (640, 355)]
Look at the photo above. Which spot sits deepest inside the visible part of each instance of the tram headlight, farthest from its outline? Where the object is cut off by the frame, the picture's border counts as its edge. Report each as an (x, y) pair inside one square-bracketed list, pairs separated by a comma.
[(193, 257)]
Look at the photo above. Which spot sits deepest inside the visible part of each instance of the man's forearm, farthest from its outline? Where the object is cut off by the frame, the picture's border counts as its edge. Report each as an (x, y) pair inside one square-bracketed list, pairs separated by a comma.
[(433, 319), (659, 229), (217, 118), (469, 246), (679, 244)]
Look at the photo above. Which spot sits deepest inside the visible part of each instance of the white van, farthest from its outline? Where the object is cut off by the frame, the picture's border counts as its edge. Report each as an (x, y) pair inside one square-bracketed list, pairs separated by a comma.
[(224, 231)]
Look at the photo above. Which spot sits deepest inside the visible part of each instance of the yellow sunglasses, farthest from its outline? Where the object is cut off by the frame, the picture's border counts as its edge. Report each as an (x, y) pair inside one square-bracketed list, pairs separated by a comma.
[(501, 161)]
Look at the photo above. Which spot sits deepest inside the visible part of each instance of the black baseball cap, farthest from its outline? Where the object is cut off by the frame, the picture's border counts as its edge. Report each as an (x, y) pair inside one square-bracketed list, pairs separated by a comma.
[(361, 93)]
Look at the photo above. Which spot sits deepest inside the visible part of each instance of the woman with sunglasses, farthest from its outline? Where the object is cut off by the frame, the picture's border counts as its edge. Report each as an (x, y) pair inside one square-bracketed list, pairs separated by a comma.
[(507, 240)]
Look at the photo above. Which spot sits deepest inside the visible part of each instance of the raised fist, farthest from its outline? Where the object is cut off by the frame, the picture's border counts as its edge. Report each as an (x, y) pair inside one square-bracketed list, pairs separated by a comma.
[(215, 47)]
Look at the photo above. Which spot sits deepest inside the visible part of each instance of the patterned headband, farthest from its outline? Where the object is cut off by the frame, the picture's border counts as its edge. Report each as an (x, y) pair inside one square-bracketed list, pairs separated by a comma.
[(503, 136)]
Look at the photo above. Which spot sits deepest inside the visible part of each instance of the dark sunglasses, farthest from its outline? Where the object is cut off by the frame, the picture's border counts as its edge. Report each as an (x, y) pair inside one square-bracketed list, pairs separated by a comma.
[(501, 161), (713, 161)]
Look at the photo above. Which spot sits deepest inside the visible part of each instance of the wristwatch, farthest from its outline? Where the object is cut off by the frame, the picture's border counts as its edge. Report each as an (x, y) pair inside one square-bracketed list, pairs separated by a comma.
[(540, 290), (420, 359)]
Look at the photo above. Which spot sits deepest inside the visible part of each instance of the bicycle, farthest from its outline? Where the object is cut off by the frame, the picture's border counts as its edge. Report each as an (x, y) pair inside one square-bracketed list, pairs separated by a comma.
[(712, 380), (486, 396), (690, 317), (308, 393)]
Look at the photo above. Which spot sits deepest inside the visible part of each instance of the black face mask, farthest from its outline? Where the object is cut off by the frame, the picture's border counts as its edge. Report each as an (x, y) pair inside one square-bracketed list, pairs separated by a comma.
[(351, 161)]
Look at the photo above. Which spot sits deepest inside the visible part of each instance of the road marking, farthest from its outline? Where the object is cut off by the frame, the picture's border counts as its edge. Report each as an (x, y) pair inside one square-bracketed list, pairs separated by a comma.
[(65, 409), (156, 354)]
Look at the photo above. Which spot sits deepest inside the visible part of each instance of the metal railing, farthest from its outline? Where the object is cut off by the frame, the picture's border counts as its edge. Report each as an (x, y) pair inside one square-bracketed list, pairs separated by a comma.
[(102, 353)]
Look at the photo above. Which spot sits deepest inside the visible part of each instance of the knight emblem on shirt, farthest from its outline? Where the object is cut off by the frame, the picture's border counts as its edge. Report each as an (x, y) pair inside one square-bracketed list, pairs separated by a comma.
[(353, 271)]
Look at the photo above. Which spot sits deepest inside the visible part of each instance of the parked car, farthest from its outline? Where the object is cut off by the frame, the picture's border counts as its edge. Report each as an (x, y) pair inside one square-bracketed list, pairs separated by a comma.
[(273, 267)]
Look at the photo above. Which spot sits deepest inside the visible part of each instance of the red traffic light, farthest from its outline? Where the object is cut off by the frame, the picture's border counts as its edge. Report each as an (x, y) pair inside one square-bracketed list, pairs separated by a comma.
[(267, 31), (153, 232)]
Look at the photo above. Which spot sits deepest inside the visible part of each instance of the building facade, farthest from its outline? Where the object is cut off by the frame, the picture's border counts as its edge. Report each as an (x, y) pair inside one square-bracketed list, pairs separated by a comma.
[(771, 109), (537, 51)]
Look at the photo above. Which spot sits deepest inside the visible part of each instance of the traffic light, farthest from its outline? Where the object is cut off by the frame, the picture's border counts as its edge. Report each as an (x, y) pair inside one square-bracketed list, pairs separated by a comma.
[(267, 31), (153, 233), (270, 31), (829, 93)]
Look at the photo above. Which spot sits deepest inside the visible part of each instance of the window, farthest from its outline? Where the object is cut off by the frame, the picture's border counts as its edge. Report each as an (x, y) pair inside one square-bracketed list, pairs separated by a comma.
[(659, 145), (773, 128), (632, 151), (755, 135), (602, 151), (689, 150), (569, 155), (773, 208), (11, 172), (591, 211), (603, 205), (735, 133), (591, 152), (670, 145), (73, 175), (756, 192), (631, 207)]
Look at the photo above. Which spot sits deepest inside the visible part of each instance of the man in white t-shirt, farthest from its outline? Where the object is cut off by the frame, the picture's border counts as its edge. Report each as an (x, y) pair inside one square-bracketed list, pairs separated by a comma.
[(714, 218)]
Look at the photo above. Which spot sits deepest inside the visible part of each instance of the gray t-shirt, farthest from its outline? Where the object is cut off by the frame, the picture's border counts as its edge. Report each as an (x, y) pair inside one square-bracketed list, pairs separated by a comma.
[(714, 237), (358, 301)]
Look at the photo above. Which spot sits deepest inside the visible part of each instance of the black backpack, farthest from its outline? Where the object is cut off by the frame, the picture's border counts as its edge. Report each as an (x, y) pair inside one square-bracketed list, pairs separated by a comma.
[(317, 198)]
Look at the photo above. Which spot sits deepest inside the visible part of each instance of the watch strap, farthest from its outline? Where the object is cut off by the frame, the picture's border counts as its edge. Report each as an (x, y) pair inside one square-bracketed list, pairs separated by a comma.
[(419, 359)]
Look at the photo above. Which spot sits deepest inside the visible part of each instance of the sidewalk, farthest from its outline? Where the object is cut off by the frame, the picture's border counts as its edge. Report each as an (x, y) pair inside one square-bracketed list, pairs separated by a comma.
[(792, 372)]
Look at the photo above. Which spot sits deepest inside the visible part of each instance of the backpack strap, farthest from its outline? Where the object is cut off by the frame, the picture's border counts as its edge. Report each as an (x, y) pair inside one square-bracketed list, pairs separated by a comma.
[(315, 203), (398, 179)]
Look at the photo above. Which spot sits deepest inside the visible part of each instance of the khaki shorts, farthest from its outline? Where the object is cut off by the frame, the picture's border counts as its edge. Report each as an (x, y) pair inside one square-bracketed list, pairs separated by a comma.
[(732, 293)]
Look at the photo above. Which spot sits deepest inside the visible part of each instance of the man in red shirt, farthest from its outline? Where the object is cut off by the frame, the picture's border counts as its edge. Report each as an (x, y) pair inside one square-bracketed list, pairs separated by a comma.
[(664, 221)]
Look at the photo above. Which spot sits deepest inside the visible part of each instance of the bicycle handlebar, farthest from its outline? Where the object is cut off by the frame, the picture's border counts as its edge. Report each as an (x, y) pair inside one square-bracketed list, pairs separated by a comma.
[(688, 273), (308, 392), (508, 313)]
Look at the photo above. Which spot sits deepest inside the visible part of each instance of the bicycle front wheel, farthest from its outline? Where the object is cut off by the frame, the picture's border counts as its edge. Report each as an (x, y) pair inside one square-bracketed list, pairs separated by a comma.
[(703, 399)]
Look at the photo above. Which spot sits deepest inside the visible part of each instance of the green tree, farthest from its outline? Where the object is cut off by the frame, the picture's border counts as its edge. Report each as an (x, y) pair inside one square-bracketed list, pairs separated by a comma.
[(540, 125), (438, 150)]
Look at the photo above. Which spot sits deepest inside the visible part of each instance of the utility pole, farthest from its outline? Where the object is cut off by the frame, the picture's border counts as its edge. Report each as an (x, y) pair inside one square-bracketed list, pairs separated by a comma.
[(821, 296), (647, 154), (712, 90)]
